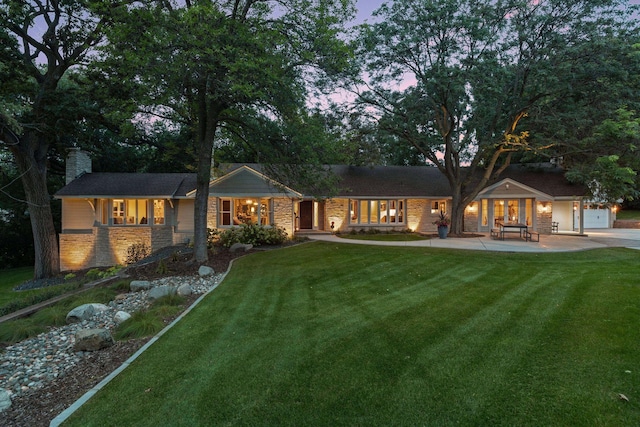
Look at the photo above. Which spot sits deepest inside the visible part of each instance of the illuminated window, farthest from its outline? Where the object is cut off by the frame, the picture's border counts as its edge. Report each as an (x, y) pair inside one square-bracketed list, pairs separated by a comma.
[(374, 212), (130, 211), (438, 206), (158, 211), (245, 211), (485, 212)]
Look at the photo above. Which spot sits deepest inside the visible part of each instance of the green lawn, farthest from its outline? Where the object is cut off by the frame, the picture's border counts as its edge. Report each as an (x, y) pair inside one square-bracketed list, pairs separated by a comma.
[(339, 335), (11, 278), (628, 214)]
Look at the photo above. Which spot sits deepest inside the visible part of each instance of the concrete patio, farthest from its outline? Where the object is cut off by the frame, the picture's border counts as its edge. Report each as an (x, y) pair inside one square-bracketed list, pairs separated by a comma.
[(596, 238)]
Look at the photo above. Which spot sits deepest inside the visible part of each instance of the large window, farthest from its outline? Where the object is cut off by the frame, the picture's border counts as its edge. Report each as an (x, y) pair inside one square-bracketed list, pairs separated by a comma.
[(132, 211), (374, 212), (244, 211)]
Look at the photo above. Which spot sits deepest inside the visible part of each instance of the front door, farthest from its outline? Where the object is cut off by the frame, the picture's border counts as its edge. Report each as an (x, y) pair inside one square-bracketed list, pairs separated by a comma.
[(306, 215)]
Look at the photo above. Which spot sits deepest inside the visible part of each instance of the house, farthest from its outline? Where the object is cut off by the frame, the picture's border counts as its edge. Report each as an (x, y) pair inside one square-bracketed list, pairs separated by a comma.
[(103, 214)]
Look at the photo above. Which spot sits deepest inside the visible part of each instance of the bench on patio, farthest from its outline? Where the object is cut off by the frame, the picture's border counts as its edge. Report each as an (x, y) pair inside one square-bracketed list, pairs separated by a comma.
[(495, 233), (531, 236)]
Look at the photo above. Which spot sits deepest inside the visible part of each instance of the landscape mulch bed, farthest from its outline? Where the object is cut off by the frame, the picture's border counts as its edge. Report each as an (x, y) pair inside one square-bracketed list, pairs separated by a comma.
[(39, 407)]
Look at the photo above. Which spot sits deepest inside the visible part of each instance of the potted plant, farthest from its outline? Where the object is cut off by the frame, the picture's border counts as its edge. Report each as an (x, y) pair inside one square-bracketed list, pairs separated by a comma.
[(443, 225)]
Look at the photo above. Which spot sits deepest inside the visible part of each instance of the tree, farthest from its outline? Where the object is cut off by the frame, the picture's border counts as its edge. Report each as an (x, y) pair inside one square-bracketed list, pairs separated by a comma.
[(42, 42), (223, 66), (480, 67)]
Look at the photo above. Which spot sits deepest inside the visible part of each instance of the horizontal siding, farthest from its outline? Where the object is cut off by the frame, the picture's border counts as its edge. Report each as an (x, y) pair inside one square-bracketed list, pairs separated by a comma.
[(184, 209), (77, 214)]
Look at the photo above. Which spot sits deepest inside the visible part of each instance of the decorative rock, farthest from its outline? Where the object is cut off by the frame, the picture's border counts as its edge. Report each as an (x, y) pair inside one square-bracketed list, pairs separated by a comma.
[(205, 271), (92, 340), (5, 400), (184, 290), (36, 362), (80, 313), (100, 308), (139, 285), (240, 246), (121, 316), (161, 291)]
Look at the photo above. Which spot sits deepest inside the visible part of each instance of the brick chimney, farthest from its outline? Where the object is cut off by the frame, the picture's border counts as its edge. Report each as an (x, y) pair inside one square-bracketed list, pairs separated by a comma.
[(78, 163)]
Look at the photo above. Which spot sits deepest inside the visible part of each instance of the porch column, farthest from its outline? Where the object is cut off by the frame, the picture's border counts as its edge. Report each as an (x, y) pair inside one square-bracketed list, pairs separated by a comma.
[(581, 226)]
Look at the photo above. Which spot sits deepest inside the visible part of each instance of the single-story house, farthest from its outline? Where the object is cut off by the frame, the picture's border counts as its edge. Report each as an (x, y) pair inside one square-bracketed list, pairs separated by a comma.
[(103, 214)]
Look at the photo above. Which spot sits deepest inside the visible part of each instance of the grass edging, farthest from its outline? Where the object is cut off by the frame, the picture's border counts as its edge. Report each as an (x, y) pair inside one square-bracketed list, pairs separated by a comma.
[(64, 415)]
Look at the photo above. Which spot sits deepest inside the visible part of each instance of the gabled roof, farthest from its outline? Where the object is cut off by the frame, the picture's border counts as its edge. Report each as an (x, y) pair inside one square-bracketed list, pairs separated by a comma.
[(247, 182), (509, 188), (546, 178), (113, 185), (353, 182)]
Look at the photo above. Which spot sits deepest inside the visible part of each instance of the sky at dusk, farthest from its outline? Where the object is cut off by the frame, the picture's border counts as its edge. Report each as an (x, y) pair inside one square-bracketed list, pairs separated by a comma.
[(366, 7)]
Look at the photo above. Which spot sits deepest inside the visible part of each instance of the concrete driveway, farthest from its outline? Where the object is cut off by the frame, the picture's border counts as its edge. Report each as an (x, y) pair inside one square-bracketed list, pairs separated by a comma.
[(596, 238)]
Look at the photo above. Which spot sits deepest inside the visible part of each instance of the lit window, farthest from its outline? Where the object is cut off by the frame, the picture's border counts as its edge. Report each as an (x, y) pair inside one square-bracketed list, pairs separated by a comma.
[(158, 211), (384, 212), (129, 211), (438, 206), (245, 211)]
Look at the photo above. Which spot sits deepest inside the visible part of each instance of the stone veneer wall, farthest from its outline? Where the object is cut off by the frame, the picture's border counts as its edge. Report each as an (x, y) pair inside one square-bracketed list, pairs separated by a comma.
[(77, 250), (471, 218), (417, 211), (283, 215), (544, 219), (336, 211), (107, 246)]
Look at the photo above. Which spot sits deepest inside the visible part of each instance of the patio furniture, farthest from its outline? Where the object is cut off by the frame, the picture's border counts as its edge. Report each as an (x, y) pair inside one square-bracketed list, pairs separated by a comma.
[(554, 227)]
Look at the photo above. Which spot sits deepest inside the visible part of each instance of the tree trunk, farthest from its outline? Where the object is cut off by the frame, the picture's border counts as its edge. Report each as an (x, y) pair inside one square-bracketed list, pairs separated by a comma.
[(200, 244), (457, 213), (31, 157), (208, 118)]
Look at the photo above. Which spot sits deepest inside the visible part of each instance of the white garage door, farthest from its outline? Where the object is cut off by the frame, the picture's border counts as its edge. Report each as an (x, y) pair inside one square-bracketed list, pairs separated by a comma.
[(595, 218)]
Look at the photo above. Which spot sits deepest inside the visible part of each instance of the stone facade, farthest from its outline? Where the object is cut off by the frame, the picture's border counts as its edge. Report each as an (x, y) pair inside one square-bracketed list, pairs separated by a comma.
[(283, 215), (471, 217), (544, 217), (107, 246)]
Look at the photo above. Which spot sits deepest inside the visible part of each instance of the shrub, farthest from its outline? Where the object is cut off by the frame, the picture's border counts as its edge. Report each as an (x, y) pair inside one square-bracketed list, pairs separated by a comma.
[(169, 300), (121, 286), (162, 267), (56, 315), (137, 252), (141, 324), (252, 234), (96, 273), (18, 330)]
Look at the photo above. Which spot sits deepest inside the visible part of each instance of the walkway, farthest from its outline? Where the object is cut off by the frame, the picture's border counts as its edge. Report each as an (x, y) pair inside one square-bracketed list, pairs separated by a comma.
[(597, 238)]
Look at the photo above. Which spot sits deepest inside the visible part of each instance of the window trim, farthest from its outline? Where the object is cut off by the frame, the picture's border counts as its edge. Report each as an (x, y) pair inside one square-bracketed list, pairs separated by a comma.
[(140, 217), (234, 221)]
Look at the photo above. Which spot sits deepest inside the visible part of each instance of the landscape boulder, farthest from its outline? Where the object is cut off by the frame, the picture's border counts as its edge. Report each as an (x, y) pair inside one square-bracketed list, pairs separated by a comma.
[(161, 291), (5, 400), (80, 313), (139, 285), (205, 271), (99, 308), (121, 316), (240, 247), (184, 290), (92, 340)]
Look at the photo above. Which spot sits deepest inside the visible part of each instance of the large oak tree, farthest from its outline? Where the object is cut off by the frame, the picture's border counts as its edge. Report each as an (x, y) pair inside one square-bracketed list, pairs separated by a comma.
[(208, 67), (41, 43), (476, 70)]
